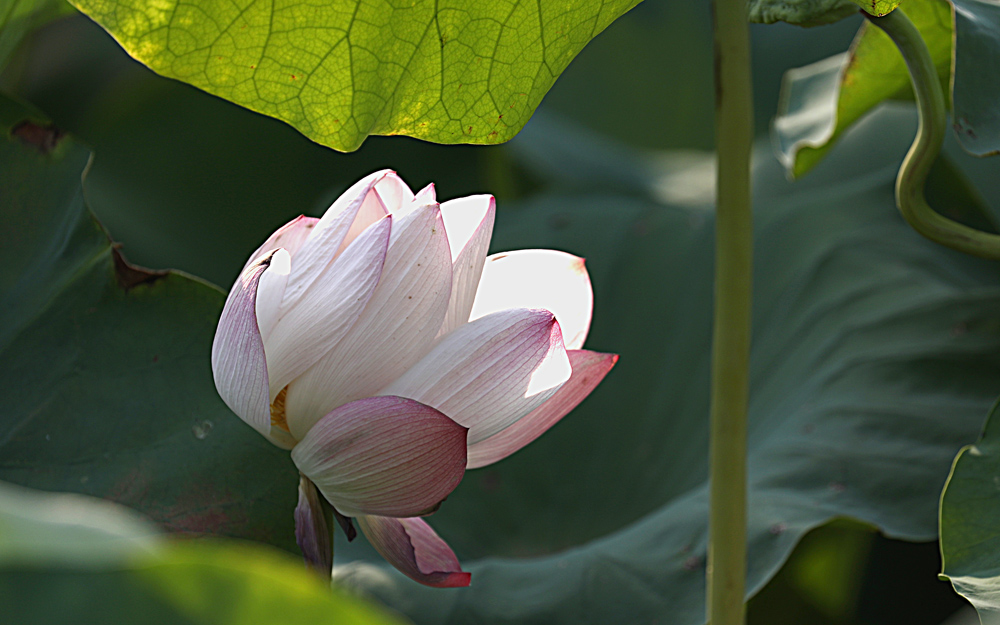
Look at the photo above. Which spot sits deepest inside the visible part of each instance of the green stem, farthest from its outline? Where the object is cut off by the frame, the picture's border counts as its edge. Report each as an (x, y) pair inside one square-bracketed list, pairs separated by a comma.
[(926, 146), (727, 558)]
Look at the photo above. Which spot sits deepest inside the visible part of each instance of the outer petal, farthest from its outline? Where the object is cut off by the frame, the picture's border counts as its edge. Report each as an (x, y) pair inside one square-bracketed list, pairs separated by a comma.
[(395, 330), (312, 533), (414, 548), (469, 222), (291, 236), (389, 456), (320, 318), (489, 373), (547, 279), (238, 363), (394, 193), (354, 210), (427, 195), (589, 368)]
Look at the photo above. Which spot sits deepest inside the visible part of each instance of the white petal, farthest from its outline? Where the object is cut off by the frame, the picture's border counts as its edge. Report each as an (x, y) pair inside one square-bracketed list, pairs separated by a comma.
[(291, 236), (427, 195), (270, 291), (589, 368), (394, 193), (330, 236), (469, 222), (395, 330), (321, 317), (489, 373), (547, 279)]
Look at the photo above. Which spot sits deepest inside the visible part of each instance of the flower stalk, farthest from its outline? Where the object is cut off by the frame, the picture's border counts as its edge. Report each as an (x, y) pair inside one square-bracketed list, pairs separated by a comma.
[(927, 144), (727, 558)]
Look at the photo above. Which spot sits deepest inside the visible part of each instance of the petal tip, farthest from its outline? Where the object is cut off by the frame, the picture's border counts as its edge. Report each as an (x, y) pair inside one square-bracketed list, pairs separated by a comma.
[(460, 579)]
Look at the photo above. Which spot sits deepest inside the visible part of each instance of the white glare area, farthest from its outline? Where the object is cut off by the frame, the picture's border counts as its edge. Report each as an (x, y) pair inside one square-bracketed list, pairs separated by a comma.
[(548, 279), (807, 111), (684, 178), (394, 193), (550, 374), (461, 218)]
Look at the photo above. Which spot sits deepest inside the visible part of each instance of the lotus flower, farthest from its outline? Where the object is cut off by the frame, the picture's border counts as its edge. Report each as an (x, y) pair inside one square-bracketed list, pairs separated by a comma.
[(383, 347)]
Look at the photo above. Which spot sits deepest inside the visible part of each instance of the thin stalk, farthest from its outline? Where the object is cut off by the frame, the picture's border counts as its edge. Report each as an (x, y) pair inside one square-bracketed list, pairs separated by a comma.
[(926, 146), (727, 558)]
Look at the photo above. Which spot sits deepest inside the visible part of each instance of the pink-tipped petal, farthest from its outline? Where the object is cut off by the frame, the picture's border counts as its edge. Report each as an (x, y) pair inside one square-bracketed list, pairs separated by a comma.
[(330, 235), (394, 193), (371, 210), (410, 545), (238, 363), (589, 368), (547, 279), (312, 533), (427, 195), (291, 236), (396, 329), (489, 373), (469, 222), (311, 326), (389, 456)]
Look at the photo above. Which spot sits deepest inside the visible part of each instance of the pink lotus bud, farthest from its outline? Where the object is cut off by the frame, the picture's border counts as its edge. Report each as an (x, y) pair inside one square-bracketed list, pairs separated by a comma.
[(383, 347)]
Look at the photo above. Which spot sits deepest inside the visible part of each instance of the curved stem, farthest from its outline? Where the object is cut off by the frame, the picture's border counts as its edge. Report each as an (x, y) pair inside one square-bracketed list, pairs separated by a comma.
[(727, 557), (926, 146)]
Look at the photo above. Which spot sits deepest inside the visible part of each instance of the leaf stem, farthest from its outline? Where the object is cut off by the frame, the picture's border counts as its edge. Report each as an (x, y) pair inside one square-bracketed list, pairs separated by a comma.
[(926, 146), (727, 558)]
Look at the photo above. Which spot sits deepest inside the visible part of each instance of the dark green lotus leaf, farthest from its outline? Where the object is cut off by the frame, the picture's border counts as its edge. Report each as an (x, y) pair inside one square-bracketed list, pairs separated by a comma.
[(977, 76), (819, 102), (970, 535), (449, 71), (105, 367), (876, 354)]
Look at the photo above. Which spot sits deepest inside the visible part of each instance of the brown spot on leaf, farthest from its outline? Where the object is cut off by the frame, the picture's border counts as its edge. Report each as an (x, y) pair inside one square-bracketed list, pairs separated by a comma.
[(42, 138), (692, 563), (130, 276)]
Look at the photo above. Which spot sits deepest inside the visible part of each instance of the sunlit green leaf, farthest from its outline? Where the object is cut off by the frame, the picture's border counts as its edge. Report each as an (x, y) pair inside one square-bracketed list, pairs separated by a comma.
[(878, 8), (457, 71), (105, 367), (875, 356), (970, 534), (819, 102)]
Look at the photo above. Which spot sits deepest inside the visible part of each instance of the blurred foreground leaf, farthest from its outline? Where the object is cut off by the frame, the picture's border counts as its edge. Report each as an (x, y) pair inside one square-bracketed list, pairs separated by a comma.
[(19, 18), (74, 559), (970, 533), (820, 101), (875, 356), (105, 367), (458, 71)]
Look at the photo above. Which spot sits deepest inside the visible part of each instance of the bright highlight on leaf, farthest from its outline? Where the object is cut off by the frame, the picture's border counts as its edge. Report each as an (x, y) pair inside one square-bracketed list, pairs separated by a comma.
[(878, 8), (449, 71), (821, 101)]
